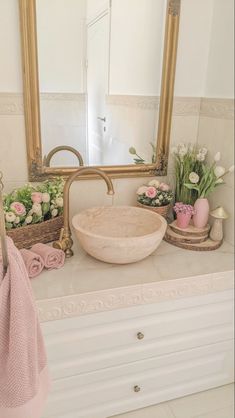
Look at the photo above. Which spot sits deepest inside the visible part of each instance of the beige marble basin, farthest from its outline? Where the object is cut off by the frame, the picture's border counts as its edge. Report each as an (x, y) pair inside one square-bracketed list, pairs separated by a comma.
[(120, 234)]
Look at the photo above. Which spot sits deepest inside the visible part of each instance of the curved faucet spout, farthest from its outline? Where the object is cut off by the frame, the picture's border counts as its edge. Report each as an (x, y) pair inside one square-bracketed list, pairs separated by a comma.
[(65, 243), (47, 159)]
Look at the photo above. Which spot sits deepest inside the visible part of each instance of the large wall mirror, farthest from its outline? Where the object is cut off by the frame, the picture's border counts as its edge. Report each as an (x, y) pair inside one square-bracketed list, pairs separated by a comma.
[(99, 79)]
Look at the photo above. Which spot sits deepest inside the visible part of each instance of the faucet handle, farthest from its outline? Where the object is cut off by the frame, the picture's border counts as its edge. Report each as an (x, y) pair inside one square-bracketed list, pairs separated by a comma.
[(64, 243)]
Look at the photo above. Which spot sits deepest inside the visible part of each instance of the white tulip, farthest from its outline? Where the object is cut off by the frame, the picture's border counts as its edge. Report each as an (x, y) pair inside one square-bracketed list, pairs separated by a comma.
[(217, 157), (231, 169), (203, 151), (194, 177), (17, 220), (154, 183), (28, 220), (201, 157), (219, 171), (10, 217)]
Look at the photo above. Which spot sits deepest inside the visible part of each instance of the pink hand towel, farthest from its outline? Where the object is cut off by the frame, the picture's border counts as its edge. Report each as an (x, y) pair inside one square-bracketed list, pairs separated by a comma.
[(52, 258), (24, 380), (33, 262)]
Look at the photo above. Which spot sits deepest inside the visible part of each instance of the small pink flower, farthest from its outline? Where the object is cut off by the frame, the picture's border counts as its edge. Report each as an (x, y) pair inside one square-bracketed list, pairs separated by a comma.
[(164, 187), (151, 192), (18, 208), (36, 197)]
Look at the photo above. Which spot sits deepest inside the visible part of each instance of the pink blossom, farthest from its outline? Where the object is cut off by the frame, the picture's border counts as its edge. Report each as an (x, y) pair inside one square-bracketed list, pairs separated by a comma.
[(164, 187), (36, 197), (18, 208), (182, 208), (151, 192)]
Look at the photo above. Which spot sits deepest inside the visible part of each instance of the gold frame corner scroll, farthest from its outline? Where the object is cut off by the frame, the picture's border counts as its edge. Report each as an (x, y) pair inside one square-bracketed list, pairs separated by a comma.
[(36, 168)]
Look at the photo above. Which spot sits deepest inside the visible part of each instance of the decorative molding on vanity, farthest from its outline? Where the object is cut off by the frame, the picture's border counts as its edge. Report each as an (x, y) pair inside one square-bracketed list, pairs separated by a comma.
[(217, 108), (113, 299), (11, 104)]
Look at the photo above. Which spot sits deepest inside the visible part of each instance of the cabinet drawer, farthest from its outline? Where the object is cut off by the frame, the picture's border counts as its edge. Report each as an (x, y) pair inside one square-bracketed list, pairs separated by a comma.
[(111, 391), (90, 348)]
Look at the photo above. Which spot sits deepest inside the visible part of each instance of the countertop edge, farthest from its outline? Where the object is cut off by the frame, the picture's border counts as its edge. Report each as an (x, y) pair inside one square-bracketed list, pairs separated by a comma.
[(141, 294)]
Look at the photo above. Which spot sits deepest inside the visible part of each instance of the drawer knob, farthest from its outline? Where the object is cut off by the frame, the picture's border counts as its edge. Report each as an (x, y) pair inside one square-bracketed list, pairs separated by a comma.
[(140, 336), (137, 389)]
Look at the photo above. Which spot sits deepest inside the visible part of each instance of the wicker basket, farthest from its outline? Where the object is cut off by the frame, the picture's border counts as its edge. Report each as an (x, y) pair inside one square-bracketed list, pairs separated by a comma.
[(161, 210), (44, 232)]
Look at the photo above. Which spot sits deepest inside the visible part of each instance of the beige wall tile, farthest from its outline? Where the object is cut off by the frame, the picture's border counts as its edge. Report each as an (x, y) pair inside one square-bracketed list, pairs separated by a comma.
[(13, 160)]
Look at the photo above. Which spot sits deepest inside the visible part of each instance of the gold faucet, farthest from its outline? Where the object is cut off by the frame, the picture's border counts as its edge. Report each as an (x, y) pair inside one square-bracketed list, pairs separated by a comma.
[(65, 242), (54, 151)]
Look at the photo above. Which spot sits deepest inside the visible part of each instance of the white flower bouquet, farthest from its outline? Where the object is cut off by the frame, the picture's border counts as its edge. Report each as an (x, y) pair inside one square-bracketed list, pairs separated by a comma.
[(211, 177), (188, 159), (34, 204)]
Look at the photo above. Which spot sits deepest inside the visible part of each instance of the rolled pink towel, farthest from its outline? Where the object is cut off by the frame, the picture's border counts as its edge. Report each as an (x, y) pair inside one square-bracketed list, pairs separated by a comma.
[(52, 258), (33, 262)]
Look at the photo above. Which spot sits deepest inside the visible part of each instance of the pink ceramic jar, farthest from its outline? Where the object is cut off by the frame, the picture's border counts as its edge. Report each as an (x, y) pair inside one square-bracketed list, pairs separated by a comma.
[(183, 220)]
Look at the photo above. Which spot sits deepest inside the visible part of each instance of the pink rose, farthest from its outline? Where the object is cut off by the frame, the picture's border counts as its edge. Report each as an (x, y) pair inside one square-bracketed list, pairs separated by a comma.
[(36, 197), (151, 192), (164, 187), (18, 208)]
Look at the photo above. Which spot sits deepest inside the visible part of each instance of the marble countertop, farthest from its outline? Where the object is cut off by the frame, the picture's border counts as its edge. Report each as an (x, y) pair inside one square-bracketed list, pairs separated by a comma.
[(85, 285)]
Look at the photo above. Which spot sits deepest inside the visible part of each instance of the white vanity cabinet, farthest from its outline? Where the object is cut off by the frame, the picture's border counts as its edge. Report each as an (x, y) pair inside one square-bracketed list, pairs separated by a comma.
[(111, 362)]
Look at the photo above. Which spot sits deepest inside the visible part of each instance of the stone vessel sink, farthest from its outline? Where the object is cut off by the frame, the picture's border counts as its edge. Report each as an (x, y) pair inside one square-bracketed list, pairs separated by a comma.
[(120, 234)]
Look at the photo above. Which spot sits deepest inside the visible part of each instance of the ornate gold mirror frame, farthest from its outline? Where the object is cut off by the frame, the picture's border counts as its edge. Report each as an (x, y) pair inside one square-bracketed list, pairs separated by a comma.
[(36, 168)]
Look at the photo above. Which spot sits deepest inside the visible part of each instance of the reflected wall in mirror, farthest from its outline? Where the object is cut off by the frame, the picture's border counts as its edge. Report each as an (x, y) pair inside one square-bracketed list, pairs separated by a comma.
[(96, 74)]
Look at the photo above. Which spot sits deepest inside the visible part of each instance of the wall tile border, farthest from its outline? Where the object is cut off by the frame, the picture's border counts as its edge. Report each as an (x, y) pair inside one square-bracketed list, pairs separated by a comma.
[(217, 108), (11, 104)]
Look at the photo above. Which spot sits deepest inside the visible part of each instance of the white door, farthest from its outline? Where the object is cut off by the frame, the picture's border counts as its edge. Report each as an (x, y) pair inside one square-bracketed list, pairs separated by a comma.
[(97, 86)]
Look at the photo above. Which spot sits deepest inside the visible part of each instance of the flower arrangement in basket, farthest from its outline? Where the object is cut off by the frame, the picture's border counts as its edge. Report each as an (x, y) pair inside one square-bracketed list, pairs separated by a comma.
[(34, 213), (155, 196)]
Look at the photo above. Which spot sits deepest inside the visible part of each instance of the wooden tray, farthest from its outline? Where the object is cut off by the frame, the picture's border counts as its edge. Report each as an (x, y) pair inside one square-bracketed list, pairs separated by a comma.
[(191, 231), (188, 239)]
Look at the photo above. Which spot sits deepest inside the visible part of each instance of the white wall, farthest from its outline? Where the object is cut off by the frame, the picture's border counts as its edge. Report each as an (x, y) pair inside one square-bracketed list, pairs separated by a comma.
[(61, 45), (216, 124), (220, 74), (10, 53), (193, 49)]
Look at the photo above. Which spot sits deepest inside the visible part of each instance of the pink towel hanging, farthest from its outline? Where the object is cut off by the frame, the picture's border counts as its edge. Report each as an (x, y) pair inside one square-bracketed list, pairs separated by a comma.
[(24, 380)]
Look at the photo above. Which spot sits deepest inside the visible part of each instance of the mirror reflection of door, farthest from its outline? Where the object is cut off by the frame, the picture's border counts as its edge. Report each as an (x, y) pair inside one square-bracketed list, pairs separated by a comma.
[(100, 67), (97, 87)]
